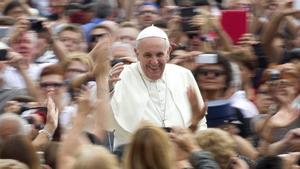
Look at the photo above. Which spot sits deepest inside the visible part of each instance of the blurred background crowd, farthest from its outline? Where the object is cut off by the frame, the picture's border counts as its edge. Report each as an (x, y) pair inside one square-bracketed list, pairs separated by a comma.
[(244, 55)]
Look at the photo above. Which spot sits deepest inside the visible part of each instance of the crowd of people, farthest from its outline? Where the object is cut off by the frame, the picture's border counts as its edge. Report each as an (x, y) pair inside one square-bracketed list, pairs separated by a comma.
[(149, 84)]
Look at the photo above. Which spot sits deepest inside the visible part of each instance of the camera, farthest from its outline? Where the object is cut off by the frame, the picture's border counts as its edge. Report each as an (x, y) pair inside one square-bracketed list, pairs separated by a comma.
[(36, 25), (186, 14), (274, 75)]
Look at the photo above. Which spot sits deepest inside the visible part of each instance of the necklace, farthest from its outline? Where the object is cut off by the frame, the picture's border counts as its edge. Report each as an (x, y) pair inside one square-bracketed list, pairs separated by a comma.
[(161, 110)]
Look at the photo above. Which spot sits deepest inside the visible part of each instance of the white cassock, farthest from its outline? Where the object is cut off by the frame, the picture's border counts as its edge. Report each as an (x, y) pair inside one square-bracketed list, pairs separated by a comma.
[(163, 102)]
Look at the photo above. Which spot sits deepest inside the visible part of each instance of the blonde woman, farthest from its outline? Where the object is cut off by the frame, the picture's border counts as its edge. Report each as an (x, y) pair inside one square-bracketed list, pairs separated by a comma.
[(95, 157), (151, 147), (222, 146)]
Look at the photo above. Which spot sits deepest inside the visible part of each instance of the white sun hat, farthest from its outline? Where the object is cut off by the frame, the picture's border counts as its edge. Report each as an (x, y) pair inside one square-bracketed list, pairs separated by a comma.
[(152, 31)]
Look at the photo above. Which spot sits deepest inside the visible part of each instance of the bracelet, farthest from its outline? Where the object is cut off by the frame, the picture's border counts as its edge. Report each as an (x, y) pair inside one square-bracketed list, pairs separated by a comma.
[(45, 131)]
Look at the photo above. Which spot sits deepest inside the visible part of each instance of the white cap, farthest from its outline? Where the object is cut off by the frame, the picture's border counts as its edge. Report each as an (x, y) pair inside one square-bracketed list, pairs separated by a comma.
[(152, 31)]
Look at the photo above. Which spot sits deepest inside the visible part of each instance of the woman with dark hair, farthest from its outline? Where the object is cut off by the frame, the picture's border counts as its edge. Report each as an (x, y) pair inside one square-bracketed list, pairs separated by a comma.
[(277, 128), (214, 75)]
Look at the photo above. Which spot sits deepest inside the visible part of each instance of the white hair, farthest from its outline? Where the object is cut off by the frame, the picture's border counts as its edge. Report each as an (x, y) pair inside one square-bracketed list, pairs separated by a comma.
[(128, 46)]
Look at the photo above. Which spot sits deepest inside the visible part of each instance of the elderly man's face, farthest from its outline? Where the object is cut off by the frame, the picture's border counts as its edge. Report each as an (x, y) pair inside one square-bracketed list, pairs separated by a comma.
[(153, 54), (25, 45), (127, 35)]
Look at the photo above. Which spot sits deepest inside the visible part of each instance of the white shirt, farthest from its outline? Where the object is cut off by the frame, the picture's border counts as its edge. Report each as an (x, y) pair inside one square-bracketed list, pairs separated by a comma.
[(240, 101), (14, 80), (163, 102)]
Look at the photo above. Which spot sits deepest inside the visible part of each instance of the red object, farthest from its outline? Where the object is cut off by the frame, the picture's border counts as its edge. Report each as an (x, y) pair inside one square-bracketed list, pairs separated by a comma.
[(234, 22)]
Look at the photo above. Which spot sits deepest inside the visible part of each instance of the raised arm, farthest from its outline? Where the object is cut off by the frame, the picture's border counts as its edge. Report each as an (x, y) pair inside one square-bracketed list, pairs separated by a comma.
[(45, 135), (16, 61), (73, 137), (270, 32), (56, 45)]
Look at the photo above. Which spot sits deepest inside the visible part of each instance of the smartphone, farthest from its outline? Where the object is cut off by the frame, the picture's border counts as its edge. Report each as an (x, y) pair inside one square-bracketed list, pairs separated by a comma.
[(296, 4), (36, 25), (3, 55), (206, 59), (3, 52), (186, 14), (234, 22), (4, 31)]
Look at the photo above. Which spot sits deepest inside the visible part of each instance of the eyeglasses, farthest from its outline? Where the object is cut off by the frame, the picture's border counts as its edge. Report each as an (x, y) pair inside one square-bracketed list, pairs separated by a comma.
[(215, 73), (192, 35), (96, 37), (55, 85), (67, 39), (149, 12)]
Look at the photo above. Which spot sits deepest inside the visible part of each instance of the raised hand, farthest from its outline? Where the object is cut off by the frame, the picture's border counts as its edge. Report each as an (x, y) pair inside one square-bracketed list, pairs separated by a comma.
[(52, 114), (16, 60), (85, 104), (292, 139), (184, 142), (198, 111), (102, 56), (186, 60), (114, 74)]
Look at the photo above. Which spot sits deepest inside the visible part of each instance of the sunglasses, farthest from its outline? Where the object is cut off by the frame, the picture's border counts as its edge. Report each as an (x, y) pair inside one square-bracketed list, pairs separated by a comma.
[(55, 85), (197, 35), (215, 73), (149, 12), (96, 37)]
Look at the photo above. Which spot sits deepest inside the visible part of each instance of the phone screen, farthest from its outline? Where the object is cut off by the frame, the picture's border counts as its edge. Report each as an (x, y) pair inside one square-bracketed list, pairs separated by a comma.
[(3, 54), (207, 59), (4, 32)]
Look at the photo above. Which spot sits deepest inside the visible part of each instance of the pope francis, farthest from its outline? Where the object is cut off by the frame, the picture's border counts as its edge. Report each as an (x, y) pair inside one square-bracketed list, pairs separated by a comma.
[(152, 90)]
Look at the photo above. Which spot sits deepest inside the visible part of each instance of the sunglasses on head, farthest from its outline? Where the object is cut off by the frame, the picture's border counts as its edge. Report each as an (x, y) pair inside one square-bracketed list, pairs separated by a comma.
[(55, 85), (215, 73), (150, 12)]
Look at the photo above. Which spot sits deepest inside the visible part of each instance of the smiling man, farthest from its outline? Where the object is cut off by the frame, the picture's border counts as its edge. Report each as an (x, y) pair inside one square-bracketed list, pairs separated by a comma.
[(152, 90)]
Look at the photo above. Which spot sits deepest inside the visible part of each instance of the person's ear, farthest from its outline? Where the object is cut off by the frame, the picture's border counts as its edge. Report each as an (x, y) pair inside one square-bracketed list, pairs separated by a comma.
[(137, 54), (169, 53)]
